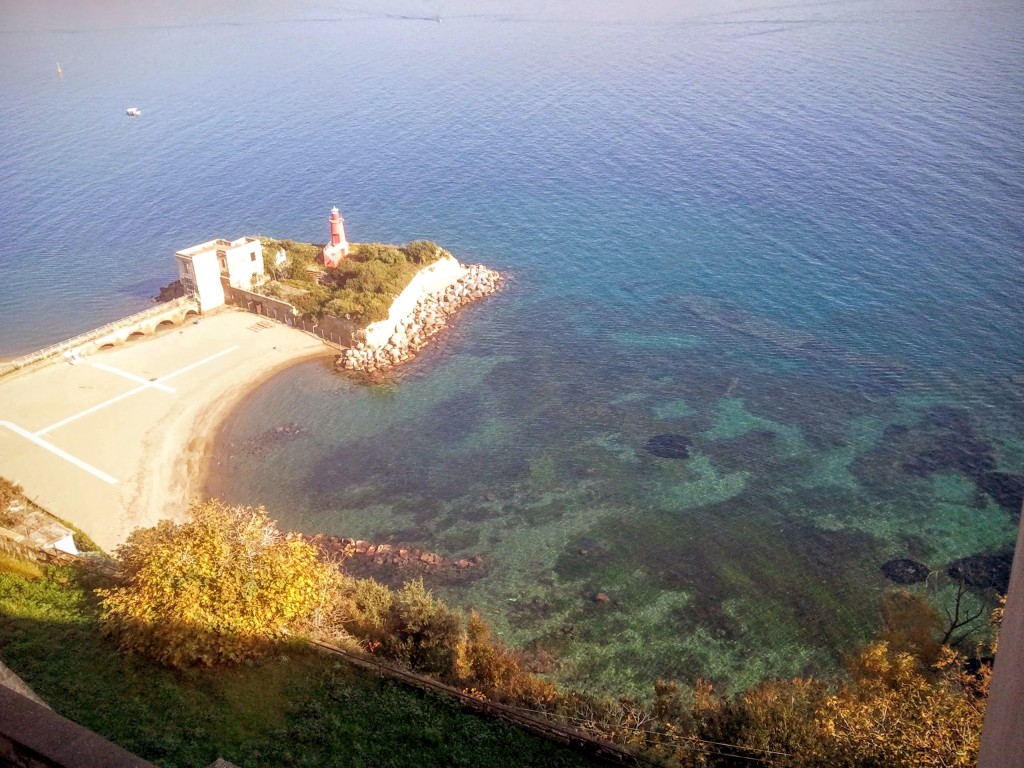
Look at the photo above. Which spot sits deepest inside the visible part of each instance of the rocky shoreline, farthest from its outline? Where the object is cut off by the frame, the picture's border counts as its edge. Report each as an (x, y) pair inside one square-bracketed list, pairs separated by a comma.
[(364, 558), (427, 318)]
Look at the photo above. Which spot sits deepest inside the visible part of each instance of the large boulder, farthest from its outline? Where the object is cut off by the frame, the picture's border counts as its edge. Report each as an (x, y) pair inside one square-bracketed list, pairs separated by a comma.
[(983, 571), (905, 571), (966, 455)]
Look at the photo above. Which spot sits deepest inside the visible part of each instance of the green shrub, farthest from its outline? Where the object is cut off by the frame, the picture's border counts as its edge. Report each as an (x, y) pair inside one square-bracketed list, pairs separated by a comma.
[(376, 307), (423, 251), (380, 252), (312, 303), (343, 305), (421, 632), (364, 604)]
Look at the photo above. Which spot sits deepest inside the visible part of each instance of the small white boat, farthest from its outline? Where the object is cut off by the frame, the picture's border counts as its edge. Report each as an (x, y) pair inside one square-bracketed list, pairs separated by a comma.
[(133, 111)]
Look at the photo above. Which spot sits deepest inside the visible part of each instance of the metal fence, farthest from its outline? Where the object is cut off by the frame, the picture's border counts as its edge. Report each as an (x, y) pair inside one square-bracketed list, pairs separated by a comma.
[(333, 339), (598, 749)]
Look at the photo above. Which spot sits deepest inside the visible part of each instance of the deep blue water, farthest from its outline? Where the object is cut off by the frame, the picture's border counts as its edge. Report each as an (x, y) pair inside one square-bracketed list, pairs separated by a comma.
[(791, 232)]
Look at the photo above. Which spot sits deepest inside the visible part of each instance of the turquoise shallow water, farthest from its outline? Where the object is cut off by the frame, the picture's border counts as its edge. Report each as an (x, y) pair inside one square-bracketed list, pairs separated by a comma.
[(789, 233)]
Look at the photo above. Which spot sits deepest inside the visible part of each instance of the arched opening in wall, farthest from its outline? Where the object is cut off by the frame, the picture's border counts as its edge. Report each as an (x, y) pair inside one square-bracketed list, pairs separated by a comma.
[(163, 325), (135, 335), (108, 345), (191, 314)]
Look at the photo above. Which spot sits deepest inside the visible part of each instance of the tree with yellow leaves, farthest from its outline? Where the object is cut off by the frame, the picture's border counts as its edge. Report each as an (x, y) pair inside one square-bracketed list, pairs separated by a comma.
[(895, 712), (216, 589)]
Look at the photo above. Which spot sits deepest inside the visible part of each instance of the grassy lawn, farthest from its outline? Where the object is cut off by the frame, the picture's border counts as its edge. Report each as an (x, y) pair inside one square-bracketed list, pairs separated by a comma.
[(298, 707)]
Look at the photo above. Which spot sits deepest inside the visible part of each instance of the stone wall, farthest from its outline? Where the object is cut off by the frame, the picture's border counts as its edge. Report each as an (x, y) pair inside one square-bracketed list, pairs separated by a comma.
[(336, 330), (275, 309)]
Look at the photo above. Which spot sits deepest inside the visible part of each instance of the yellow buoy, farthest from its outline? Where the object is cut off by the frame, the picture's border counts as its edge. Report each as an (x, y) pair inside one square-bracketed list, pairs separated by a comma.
[(60, 72)]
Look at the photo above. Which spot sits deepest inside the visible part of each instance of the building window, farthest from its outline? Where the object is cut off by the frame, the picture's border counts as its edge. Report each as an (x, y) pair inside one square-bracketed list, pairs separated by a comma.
[(253, 254)]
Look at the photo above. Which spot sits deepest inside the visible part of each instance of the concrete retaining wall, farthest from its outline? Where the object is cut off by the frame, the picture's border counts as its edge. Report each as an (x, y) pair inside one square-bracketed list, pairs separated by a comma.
[(33, 736), (433, 279)]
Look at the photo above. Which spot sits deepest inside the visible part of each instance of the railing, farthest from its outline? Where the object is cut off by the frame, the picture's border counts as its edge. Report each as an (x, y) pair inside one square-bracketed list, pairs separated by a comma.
[(84, 338), (599, 749)]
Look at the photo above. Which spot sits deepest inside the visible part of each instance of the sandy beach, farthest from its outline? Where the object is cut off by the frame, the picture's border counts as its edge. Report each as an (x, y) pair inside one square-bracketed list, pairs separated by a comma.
[(119, 440)]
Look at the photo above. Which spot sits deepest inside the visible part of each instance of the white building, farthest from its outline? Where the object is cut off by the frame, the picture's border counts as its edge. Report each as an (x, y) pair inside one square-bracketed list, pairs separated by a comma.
[(206, 268)]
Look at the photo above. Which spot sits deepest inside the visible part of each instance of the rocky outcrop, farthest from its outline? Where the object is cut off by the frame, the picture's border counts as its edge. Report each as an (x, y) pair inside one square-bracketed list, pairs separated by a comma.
[(170, 291), (413, 331), (401, 557)]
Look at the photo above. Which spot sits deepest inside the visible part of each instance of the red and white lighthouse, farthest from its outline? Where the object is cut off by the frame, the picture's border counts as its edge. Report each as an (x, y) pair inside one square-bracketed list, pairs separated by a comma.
[(337, 249)]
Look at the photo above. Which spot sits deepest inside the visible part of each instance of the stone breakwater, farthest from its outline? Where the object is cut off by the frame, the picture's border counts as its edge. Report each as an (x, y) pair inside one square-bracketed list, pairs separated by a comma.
[(428, 317)]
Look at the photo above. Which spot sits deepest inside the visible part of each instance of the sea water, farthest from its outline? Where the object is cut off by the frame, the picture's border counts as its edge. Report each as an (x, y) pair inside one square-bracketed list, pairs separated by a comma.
[(789, 234)]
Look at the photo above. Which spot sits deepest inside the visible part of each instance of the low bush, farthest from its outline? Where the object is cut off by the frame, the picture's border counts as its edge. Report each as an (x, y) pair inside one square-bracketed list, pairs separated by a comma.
[(423, 251), (489, 666), (219, 588), (422, 633), (904, 701)]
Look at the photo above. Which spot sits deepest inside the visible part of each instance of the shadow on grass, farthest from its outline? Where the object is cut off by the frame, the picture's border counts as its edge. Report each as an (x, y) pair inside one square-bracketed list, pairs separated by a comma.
[(293, 707)]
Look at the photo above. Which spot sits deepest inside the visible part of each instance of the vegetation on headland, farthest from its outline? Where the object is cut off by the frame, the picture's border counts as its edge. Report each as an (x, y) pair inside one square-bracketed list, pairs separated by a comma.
[(908, 699), (360, 289)]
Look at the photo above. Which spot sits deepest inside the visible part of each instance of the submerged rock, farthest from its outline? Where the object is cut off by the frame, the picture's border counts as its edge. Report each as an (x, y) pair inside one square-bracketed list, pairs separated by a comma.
[(983, 571), (954, 445), (1005, 489), (905, 571), (947, 417), (271, 438), (668, 446), (967, 455)]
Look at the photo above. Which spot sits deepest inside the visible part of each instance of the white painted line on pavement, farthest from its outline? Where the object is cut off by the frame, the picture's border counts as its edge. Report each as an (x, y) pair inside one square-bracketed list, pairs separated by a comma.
[(57, 451), (95, 408), (135, 391), (155, 383), (196, 364)]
